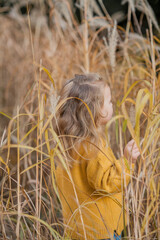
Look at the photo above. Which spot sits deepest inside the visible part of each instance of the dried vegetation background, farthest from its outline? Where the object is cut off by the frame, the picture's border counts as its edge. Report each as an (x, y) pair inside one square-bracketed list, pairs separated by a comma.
[(38, 53)]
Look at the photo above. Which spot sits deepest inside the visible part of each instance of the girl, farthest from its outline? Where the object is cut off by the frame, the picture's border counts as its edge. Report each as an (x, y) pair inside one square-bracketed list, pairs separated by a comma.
[(91, 186)]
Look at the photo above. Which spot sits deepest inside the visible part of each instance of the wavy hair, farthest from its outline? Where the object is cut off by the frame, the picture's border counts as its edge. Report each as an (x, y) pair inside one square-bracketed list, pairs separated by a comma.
[(81, 97)]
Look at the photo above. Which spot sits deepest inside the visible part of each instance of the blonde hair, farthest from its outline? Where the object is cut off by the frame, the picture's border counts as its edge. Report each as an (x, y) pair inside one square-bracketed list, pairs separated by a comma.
[(74, 117)]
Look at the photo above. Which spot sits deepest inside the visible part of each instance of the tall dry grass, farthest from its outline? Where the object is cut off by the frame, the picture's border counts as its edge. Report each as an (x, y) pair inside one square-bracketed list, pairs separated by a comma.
[(35, 61)]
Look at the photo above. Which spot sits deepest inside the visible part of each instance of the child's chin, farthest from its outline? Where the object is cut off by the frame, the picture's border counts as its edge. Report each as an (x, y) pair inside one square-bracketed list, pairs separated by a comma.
[(109, 118), (105, 122)]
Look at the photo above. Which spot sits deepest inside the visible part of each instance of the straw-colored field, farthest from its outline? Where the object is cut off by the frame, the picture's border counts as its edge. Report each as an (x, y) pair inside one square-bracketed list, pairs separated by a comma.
[(34, 62)]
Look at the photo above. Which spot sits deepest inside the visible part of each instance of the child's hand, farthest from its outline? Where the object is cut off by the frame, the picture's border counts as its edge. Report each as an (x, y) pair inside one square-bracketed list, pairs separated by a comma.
[(131, 151)]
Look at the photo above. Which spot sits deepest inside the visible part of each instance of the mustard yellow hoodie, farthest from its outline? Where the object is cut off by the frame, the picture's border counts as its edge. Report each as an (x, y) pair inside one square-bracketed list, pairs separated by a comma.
[(93, 206)]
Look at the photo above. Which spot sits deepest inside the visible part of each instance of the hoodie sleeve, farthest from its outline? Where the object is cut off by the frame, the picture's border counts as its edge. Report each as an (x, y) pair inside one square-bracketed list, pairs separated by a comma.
[(106, 173)]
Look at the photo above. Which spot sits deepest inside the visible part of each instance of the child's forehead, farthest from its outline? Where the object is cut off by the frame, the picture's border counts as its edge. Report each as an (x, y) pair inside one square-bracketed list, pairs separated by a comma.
[(107, 89), (107, 92)]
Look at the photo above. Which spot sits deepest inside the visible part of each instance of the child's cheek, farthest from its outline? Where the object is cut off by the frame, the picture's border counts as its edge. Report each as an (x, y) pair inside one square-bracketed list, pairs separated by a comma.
[(112, 110)]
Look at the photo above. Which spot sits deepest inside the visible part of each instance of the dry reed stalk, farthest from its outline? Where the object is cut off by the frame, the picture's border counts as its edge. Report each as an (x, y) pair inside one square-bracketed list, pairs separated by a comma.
[(126, 57), (18, 180), (40, 113), (86, 51), (37, 154), (153, 62), (153, 99), (37, 184)]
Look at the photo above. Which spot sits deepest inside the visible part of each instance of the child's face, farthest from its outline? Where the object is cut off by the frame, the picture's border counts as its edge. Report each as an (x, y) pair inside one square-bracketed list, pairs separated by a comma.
[(107, 109)]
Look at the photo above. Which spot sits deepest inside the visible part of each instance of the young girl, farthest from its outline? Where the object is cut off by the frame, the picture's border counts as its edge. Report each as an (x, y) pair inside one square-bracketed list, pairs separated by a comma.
[(91, 187)]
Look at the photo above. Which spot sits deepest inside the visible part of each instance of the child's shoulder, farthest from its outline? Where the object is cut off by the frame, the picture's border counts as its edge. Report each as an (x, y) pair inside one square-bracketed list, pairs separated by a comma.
[(105, 152)]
